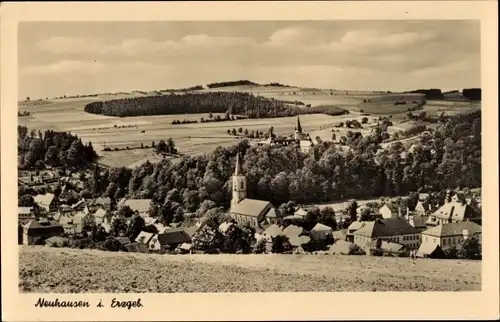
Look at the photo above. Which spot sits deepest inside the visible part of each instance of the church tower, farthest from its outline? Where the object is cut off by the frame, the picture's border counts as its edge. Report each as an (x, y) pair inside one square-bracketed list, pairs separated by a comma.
[(298, 131), (239, 184)]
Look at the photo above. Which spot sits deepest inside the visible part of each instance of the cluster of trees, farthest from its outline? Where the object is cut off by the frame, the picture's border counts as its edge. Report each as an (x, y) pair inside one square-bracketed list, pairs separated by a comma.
[(215, 102), (433, 93), (249, 134), (323, 109), (470, 248), (231, 83), (474, 94), (211, 118), (25, 113), (175, 122), (52, 148), (187, 89)]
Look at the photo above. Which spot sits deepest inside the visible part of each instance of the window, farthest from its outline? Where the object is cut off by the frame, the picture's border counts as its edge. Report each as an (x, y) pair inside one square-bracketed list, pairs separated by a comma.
[(444, 241), (242, 185)]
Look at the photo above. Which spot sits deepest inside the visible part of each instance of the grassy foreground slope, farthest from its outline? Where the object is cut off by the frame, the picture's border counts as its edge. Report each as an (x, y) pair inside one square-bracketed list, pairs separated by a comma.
[(43, 269)]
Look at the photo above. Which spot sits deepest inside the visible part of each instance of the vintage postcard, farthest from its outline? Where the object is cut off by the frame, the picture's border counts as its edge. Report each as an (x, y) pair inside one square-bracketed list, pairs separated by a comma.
[(249, 161)]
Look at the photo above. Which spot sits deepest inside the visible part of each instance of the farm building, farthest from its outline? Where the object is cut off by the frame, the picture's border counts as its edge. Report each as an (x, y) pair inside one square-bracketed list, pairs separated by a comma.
[(451, 234), (42, 229), (428, 250), (171, 238), (245, 210), (391, 230)]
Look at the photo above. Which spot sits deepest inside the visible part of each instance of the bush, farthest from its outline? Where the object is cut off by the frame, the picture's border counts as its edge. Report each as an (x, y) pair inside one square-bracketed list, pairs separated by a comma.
[(38, 241)]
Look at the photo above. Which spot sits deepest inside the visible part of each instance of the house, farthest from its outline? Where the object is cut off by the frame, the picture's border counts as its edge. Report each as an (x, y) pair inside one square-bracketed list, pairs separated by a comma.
[(454, 211), (65, 210), (139, 205), (430, 250), (246, 211), (25, 214), (47, 202), (42, 229), (353, 227), (297, 236), (387, 248), (451, 234), (392, 230), (423, 207), (103, 203), (101, 215), (174, 237), (144, 237), (321, 232), (418, 221), (272, 216), (389, 211)]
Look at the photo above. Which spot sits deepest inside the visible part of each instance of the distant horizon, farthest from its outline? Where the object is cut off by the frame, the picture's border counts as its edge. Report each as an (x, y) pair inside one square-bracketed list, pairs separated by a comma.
[(444, 90), (68, 58)]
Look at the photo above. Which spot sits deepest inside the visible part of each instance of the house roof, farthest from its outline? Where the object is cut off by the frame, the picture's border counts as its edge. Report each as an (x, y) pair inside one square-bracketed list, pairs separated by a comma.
[(296, 240), (387, 227), (355, 225), (453, 229), (389, 205), (321, 227), (103, 201), (273, 213), (100, 213), (301, 212), (251, 207), (339, 235), (427, 249), (78, 204), (138, 204), (273, 230), (294, 217), (45, 199), (388, 246), (47, 224), (174, 236), (293, 230), (144, 237), (455, 210), (418, 221), (24, 210)]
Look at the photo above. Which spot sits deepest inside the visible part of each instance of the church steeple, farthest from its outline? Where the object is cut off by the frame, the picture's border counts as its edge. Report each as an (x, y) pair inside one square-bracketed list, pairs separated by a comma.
[(239, 184), (237, 170)]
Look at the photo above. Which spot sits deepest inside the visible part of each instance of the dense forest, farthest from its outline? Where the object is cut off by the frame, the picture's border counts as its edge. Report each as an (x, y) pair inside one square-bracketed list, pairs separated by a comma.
[(217, 102), (433, 93), (231, 83), (448, 158), (52, 148), (474, 94)]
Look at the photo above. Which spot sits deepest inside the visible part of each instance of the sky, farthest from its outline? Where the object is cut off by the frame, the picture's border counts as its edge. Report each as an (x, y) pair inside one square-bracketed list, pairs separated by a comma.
[(69, 58)]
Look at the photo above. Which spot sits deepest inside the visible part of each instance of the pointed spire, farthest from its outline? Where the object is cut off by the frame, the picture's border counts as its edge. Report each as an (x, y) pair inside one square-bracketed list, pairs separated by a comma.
[(299, 127), (237, 170)]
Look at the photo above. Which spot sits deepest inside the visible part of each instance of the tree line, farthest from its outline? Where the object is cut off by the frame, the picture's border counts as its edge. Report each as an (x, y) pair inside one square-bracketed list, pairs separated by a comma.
[(52, 148), (231, 83)]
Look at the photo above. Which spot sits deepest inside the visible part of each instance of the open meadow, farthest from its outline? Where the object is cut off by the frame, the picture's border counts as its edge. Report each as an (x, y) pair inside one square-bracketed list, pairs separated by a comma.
[(44, 269)]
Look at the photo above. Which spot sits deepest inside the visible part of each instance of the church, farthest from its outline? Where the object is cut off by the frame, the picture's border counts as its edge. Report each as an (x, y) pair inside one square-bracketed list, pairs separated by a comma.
[(246, 211)]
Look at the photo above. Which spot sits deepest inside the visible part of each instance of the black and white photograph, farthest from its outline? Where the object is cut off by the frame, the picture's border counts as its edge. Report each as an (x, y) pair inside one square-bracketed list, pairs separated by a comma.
[(249, 156)]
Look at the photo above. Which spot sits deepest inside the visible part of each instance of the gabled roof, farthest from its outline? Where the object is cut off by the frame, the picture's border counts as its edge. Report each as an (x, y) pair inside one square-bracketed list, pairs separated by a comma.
[(251, 207), (78, 204), (102, 201), (355, 225), (339, 235), (427, 249), (388, 246), (273, 213), (273, 230), (138, 204), (47, 224), (321, 227), (389, 205), (418, 221), (100, 213), (453, 229), (144, 237), (387, 227), (45, 199), (299, 240), (293, 230), (174, 236)]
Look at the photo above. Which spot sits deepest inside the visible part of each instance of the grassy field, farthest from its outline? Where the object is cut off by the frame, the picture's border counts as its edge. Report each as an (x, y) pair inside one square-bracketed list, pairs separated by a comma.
[(43, 269)]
